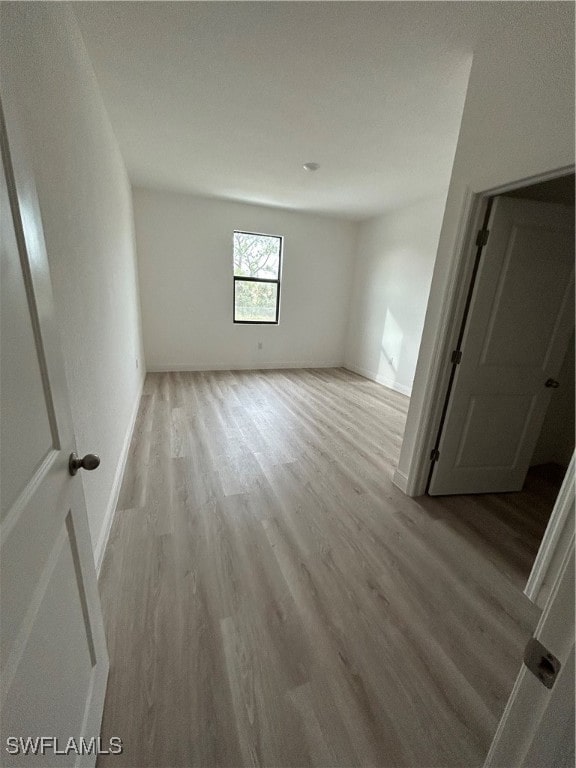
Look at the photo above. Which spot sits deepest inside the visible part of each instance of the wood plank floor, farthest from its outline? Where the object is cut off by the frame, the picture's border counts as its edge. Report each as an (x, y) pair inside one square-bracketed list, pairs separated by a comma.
[(271, 599)]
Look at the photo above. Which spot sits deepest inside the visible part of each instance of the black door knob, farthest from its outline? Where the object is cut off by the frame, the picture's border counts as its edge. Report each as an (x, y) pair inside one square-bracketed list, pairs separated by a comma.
[(89, 462), (552, 383)]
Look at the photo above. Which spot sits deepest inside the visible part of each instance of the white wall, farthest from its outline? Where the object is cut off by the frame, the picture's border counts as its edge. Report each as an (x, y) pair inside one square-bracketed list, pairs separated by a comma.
[(85, 201), (392, 274), (185, 266), (518, 122), (556, 441)]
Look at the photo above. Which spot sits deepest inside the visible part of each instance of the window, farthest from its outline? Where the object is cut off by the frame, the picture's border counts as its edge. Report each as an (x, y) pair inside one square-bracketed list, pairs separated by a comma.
[(257, 263)]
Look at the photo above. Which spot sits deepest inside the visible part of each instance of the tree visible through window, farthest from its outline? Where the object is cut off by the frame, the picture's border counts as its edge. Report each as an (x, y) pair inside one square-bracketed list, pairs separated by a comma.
[(257, 263)]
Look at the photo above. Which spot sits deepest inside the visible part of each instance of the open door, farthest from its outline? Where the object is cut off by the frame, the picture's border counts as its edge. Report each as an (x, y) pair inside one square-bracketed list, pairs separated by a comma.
[(53, 658), (520, 319), (537, 727)]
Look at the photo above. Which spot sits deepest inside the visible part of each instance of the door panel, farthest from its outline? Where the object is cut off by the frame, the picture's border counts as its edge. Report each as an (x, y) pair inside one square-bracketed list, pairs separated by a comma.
[(529, 292), (520, 320), (25, 423), (53, 659), (489, 437), (71, 663)]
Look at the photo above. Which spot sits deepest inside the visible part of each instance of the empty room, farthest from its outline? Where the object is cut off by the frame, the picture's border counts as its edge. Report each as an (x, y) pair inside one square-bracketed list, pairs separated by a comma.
[(287, 384)]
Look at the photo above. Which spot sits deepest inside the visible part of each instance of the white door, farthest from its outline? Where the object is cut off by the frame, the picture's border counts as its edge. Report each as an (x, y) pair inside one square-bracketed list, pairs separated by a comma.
[(53, 658), (517, 332), (537, 727)]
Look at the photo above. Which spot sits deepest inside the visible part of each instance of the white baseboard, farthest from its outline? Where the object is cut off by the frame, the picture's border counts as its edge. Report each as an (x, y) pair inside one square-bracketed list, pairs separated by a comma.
[(400, 481), (388, 383), (117, 483), (256, 366)]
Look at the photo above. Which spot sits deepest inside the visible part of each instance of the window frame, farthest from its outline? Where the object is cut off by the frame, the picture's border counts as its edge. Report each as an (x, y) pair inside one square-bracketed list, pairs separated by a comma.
[(239, 278)]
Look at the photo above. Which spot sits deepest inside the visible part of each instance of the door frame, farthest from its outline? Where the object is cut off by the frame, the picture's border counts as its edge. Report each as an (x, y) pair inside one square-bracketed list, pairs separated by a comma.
[(556, 540), (460, 272)]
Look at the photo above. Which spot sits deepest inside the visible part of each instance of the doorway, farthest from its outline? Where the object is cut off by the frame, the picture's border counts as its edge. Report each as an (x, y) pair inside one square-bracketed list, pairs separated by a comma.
[(507, 422)]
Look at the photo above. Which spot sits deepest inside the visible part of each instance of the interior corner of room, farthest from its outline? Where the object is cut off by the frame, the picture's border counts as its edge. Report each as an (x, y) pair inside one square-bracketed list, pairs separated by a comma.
[(375, 462)]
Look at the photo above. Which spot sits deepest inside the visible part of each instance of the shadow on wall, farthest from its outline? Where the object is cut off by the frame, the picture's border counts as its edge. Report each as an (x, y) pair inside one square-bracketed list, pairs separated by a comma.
[(392, 279), (391, 348), (400, 343)]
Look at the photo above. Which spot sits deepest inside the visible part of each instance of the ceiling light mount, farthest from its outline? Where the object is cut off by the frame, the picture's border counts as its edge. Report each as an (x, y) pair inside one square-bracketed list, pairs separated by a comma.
[(311, 167)]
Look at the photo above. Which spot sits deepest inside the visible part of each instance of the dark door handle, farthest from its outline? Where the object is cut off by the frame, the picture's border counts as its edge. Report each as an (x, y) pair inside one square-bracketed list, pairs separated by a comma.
[(89, 462), (552, 383), (543, 664)]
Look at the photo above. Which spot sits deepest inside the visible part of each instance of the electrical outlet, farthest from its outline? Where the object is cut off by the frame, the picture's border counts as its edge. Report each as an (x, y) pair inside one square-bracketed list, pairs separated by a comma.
[(137, 363), (259, 345)]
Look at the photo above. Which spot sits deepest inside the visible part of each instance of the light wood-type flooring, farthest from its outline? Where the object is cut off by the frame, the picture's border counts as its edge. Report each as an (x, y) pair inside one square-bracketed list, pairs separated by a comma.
[(272, 599)]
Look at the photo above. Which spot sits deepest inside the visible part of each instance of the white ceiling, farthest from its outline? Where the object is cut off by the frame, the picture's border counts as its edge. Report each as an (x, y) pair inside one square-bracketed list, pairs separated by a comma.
[(229, 99)]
